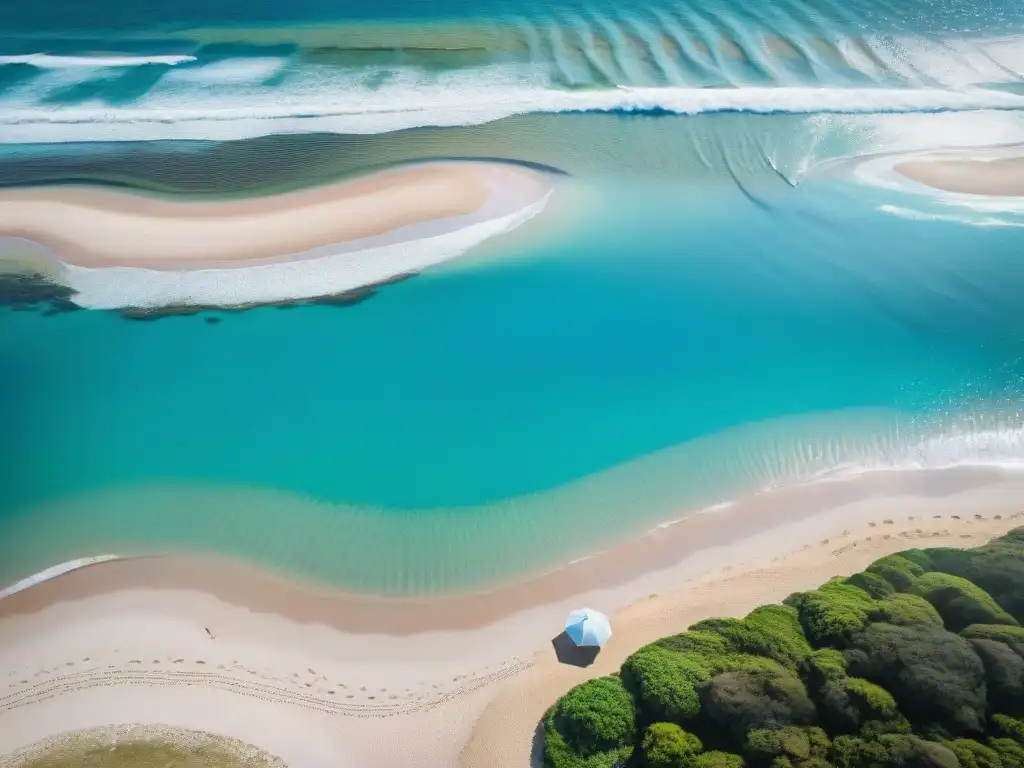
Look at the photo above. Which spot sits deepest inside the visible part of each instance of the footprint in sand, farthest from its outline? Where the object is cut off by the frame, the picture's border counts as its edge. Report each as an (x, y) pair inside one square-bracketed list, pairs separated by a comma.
[(955, 517), (998, 517), (872, 525)]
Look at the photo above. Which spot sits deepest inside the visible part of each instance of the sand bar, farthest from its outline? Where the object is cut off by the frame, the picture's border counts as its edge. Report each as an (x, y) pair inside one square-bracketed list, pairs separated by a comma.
[(304, 677), (97, 227), (995, 177)]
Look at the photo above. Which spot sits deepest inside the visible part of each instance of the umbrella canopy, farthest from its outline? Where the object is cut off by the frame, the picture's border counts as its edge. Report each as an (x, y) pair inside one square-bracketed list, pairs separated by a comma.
[(585, 626)]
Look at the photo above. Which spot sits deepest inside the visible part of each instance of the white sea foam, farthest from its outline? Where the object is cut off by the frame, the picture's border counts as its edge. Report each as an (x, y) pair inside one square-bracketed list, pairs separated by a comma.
[(53, 572), (908, 213), (360, 111), (328, 270), (48, 61)]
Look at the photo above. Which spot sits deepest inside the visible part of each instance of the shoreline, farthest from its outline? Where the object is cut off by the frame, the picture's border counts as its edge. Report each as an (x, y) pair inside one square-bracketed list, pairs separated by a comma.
[(992, 177), (633, 560), (313, 694)]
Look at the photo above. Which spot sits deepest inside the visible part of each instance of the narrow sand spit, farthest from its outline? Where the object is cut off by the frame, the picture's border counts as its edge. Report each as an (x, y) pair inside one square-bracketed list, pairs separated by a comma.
[(334, 688), (97, 227), (118, 249), (993, 177)]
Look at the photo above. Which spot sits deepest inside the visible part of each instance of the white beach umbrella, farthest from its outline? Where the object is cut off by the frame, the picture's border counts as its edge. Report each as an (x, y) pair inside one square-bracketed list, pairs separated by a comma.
[(585, 626)]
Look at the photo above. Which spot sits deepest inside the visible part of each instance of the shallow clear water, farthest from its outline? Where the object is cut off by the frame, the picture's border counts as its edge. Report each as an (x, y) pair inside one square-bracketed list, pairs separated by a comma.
[(710, 305)]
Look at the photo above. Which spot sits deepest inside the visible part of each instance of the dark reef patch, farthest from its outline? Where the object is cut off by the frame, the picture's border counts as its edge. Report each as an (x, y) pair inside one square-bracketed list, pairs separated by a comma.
[(35, 293), (343, 299)]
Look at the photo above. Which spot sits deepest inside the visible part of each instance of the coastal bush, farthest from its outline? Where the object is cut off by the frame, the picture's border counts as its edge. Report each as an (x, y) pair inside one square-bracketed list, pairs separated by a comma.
[(823, 666), (850, 702), (666, 745), (934, 675), (919, 556), (831, 614), (865, 672), (896, 750), (700, 643), (597, 716), (897, 570), (741, 701), (1011, 754), (717, 759), (973, 754), (1008, 727), (664, 683), (905, 609), (959, 602), (1001, 633), (772, 631), (872, 583), (996, 567), (1004, 674), (797, 745)]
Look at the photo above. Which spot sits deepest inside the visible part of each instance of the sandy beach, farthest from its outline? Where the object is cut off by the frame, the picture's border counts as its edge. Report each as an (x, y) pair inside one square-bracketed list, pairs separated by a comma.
[(994, 177), (320, 678), (317, 242), (96, 227)]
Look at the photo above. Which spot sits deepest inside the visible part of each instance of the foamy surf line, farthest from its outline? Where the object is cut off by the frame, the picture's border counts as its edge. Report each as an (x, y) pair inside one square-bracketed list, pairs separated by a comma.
[(48, 61), (384, 111)]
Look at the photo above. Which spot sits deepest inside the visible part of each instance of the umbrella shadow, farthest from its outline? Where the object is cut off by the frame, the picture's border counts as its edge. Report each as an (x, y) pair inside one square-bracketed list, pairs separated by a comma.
[(567, 652)]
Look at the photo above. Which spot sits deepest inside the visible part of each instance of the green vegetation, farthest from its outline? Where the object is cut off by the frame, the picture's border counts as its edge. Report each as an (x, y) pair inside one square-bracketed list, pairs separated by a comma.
[(141, 747), (916, 662)]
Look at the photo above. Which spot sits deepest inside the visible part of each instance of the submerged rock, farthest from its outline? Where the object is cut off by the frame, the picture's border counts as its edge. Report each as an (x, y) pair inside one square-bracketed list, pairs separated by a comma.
[(34, 292)]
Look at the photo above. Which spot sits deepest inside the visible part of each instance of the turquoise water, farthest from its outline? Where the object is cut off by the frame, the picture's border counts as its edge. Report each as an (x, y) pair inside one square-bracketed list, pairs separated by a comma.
[(711, 304)]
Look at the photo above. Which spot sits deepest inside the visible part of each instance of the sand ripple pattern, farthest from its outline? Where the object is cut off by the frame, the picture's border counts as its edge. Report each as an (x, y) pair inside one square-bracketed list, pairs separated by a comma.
[(252, 683)]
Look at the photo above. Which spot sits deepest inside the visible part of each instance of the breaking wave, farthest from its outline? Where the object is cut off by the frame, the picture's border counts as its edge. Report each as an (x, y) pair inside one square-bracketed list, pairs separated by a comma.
[(384, 110)]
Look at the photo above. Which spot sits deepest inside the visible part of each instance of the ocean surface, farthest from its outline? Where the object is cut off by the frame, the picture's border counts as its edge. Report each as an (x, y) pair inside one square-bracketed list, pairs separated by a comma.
[(730, 289)]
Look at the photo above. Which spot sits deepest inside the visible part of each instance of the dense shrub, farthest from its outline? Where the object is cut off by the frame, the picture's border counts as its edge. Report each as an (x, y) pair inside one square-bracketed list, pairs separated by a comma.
[(850, 702), (666, 745), (903, 750), (823, 666), (664, 683), (832, 614), (738, 702), (959, 602), (716, 759), (875, 660), (973, 754), (1008, 727), (897, 570), (920, 556), (772, 631), (996, 567), (872, 583), (1002, 633), (700, 643), (934, 675), (1004, 674), (1011, 754), (905, 609), (764, 746), (595, 717)]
